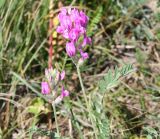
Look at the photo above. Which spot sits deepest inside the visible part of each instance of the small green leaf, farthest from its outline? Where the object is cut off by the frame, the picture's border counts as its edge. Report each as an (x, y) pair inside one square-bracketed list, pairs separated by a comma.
[(149, 137), (140, 56), (36, 106), (151, 131), (102, 86), (111, 80)]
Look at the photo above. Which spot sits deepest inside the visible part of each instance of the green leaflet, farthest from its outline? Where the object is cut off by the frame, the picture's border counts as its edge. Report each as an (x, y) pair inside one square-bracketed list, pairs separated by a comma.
[(95, 20), (111, 79)]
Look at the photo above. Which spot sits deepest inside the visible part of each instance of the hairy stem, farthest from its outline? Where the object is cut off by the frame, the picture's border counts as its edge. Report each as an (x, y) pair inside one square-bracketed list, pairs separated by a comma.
[(86, 101), (55, 116)]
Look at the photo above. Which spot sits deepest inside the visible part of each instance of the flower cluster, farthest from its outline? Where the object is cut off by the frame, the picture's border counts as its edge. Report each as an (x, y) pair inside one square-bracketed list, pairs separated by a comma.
[(72, 26), (53, 78)]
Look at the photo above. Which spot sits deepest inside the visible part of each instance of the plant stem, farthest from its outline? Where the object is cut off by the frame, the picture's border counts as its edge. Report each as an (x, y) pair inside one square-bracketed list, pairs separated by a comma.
[(50, 51), (50, 44), (50, 34), (55, 116), (75, 122), (85, 97), (82, 86)]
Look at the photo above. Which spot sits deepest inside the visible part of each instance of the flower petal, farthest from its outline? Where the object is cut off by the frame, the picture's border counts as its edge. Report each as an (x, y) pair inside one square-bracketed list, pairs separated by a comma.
[(45, 89)]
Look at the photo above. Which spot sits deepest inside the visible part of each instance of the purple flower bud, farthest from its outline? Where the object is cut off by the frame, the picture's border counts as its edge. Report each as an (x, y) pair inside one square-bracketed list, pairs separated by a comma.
[(84, 19), (84, 55), (86, 41), (70, 49), (60, 29), (45, 89), (64, 93), (62, 75)]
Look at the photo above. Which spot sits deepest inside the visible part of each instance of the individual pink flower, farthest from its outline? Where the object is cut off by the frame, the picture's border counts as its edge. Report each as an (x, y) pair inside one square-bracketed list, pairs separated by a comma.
[(74, 14), (60, 29), (70, 49), (66, 34), (62, 14), (83, 19), (84, 55), (64, 93), (86, 41), (66, 22), (45, 89), (74, 34)]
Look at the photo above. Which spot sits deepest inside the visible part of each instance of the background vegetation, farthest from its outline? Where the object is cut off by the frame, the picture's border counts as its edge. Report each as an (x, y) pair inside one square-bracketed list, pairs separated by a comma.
[(123, 31)]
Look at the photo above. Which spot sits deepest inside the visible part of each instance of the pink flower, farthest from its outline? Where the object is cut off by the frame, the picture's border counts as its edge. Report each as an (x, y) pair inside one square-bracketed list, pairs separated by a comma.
[(59, 76), (62, 14), (54, 77), (64, 93), (72, 26), (70, 49), (66, 34), (86, 41), (84, 55), (60, 29), (45, 89), (66, 22), (74, 14), (83, 19), (74, 34)]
